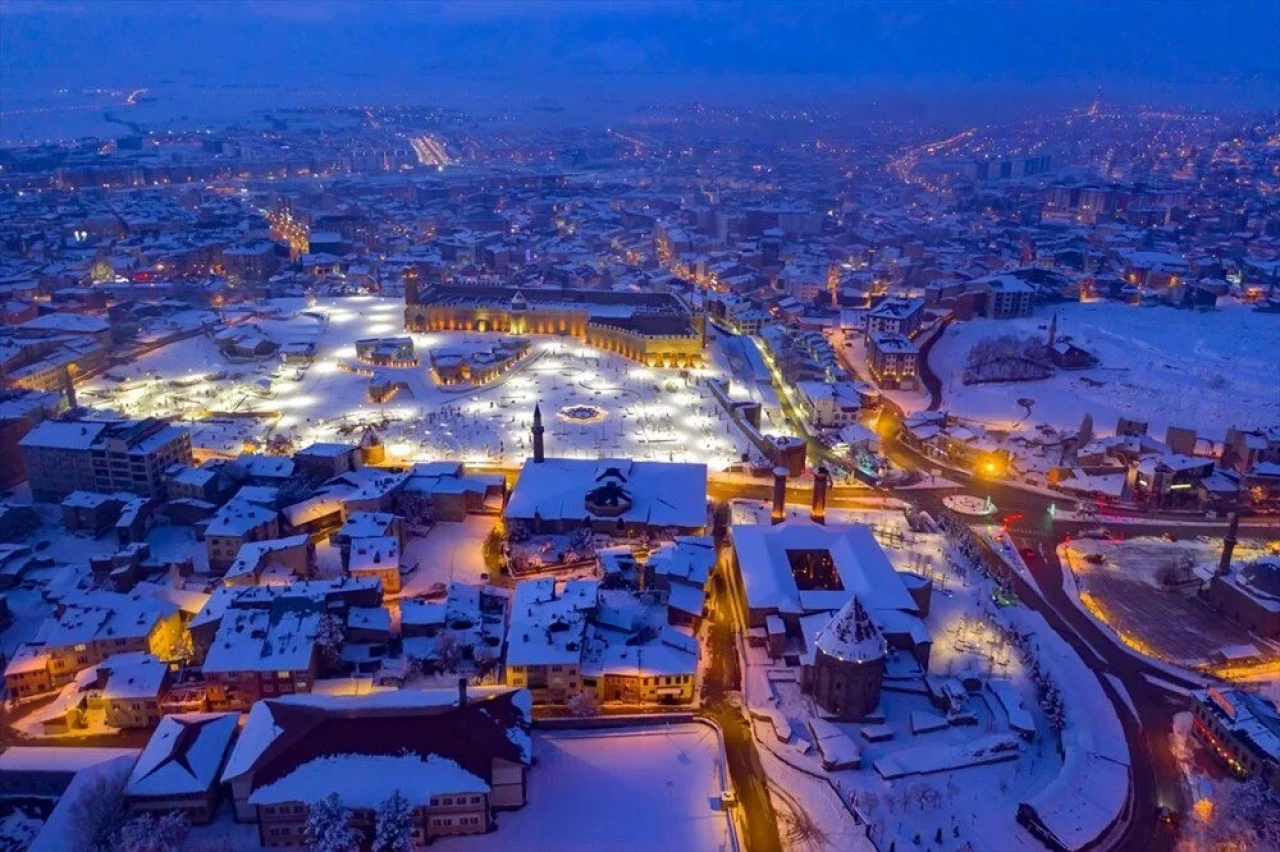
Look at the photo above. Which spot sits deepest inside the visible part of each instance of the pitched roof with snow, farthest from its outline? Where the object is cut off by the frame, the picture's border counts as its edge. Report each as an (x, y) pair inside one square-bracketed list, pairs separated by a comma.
[(301, 746), (184, 755)]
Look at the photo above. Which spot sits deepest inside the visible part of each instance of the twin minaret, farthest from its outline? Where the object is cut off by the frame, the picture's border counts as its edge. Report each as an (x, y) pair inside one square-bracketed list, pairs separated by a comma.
[(539, 451)]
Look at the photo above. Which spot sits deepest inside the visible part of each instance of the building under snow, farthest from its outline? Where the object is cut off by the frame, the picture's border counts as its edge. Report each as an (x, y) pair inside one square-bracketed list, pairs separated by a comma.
[(456, 756), (827, 598), (610, 495)]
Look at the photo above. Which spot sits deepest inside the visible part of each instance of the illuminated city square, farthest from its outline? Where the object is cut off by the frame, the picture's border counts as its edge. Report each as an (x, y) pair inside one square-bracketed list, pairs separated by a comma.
[(647, 413)]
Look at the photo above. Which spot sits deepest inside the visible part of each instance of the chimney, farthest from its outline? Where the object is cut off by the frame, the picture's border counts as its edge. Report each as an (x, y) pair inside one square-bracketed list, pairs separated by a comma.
[(539, 455), (779, 494), (462, 692), (818, 513), (1229, 544)]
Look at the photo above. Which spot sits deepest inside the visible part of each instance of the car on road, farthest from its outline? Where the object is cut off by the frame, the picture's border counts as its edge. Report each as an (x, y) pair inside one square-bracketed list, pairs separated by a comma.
[(1096, 532), (728, 798), (1096, 559), (1028, 555)]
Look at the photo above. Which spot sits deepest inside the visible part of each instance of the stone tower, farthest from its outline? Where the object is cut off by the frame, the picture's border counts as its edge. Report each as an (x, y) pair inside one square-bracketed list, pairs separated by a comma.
[(848, 664)]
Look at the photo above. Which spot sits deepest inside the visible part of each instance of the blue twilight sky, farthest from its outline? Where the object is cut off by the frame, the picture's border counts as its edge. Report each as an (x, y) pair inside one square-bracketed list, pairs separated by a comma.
[(1213, 52)]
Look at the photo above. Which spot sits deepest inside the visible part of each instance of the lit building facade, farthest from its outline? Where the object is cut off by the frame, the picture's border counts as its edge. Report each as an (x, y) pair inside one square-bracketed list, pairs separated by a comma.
[(656, 329)]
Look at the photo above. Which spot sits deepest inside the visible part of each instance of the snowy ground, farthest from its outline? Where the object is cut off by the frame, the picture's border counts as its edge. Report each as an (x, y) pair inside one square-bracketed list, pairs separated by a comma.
[(450, 552), (633, 789), (1145, 590), (621, 790), (652, 414), (1202, 370)]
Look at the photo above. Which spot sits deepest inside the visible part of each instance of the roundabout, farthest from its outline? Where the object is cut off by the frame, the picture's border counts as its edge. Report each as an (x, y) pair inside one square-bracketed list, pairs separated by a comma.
[(967, 504)]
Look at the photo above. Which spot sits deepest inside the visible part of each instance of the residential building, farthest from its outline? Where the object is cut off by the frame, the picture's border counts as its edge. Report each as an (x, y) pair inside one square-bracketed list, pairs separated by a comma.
[(896, 315), (894, 361), (456, 756), (236, 524), (181, 766), (132, 456)]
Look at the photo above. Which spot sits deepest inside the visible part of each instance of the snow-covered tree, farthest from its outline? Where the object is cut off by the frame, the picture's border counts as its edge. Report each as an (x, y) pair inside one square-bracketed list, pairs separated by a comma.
[(449, 652), (393, 829), (98, 813), (329, 638), (584, 704), (328, 827), (148, 833)]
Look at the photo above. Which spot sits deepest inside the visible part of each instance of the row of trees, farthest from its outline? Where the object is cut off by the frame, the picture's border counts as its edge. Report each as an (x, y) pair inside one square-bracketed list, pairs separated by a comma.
[(329, 826)]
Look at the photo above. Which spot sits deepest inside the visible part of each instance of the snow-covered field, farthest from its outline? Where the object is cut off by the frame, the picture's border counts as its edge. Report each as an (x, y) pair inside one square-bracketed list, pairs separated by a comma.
[(629, 790), (1202, 370), (652, 414)]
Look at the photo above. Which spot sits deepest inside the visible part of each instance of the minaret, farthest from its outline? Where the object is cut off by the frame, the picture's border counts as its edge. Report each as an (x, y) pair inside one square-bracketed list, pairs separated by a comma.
[(1053, 329), (539, 456)]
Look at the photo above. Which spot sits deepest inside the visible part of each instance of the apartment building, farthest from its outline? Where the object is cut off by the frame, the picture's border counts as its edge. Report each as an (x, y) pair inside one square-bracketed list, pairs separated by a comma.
[(80, 455)]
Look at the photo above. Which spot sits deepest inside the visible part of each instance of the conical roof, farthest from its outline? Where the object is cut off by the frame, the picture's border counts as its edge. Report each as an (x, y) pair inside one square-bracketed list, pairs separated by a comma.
[(851, 636)]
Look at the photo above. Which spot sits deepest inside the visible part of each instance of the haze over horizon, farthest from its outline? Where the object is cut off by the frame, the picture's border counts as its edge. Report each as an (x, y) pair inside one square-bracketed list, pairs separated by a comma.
[(987, 56)]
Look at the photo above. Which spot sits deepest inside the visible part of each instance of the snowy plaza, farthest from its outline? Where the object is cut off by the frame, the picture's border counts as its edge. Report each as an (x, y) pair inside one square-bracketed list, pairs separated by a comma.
[(595, 403)]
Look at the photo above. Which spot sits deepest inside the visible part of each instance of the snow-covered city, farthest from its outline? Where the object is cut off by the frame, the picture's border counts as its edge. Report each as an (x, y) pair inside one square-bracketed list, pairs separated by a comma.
[(629, 427)]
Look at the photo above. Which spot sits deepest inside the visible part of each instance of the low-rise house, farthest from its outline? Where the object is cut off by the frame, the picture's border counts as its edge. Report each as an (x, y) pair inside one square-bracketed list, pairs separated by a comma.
[(330, 596), (90, 513), (546, 636), (325, 461), (376, 558), (274, 561), (132, 687), (452, 492), (262, 653), (233, 526), (830, 404), (208, 484), (464, 631), (368, 525), (181, 766), (91, 627)]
